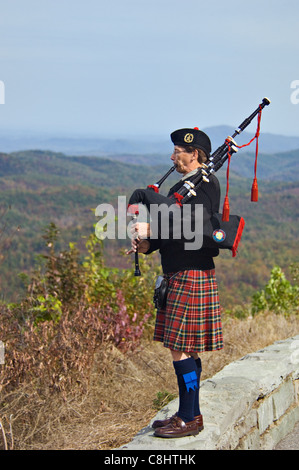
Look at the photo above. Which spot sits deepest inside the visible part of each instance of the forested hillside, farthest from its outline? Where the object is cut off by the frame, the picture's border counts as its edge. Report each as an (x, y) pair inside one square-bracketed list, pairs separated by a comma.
[(39, 187)]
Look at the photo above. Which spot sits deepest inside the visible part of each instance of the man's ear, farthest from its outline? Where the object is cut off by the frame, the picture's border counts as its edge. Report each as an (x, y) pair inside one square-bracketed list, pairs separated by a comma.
[(195, 155)]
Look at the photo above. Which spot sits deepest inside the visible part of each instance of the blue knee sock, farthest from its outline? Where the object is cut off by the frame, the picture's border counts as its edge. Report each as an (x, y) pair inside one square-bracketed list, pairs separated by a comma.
[(186, 371), (196, 400)]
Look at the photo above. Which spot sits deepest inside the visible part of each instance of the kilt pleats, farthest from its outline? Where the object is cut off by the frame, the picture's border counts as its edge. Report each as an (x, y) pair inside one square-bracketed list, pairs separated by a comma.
[(191, 321)]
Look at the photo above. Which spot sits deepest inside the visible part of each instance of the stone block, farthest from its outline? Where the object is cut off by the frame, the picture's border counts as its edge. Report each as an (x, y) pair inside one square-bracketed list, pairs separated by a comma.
[(265, 413), (283, 398), (296, 384), (251, 441)]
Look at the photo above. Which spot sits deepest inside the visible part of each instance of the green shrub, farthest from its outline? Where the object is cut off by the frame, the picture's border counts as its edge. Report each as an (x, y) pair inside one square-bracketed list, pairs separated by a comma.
[(162, 398), (279, 295)]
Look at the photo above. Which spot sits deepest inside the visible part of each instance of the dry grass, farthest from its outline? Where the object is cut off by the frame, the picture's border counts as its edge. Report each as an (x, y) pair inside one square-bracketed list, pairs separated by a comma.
[(119, 399)]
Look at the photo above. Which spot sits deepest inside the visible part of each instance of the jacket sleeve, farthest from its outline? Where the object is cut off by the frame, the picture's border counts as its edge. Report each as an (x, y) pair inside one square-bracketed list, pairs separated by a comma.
[(154, 245)]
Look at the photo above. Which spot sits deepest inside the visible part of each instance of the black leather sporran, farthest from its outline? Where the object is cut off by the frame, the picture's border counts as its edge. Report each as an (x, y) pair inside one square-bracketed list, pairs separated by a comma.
[(160, 293)]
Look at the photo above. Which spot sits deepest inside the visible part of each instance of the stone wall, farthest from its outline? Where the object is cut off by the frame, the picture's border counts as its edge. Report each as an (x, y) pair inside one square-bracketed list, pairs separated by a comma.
[(252, 403)]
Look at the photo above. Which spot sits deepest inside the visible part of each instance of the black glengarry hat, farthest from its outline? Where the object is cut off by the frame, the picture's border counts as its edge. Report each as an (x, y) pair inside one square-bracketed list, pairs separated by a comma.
[(193, 137)]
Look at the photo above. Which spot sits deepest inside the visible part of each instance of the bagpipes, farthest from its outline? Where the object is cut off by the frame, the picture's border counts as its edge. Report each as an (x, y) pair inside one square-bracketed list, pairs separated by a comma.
[(223, 230)]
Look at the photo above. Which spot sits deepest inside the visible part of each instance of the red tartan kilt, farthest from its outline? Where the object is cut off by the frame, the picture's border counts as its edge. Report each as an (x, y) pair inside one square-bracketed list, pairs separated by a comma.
[(191, 321)]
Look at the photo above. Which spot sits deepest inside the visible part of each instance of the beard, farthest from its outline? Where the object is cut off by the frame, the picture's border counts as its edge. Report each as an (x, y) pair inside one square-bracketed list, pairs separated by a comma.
[(180, 168)]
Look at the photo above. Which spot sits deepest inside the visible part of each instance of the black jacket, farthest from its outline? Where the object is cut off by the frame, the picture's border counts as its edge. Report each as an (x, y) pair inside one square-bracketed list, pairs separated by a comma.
[(174, 255)]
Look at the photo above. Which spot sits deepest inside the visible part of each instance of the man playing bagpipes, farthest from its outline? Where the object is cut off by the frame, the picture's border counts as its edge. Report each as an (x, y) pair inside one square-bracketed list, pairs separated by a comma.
[(190, 323), (188, 320)]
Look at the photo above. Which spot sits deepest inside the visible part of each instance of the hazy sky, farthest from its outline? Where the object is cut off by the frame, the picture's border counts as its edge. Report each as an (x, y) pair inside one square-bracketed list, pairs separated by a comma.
[(132, 67)]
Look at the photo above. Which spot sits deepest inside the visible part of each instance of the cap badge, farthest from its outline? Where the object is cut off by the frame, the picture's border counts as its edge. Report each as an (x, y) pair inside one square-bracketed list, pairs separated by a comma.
[(189, 138)]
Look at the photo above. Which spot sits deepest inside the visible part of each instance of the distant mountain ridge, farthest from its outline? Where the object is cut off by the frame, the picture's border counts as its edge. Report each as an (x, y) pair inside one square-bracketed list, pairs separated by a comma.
[(129, 169), (150, 145)]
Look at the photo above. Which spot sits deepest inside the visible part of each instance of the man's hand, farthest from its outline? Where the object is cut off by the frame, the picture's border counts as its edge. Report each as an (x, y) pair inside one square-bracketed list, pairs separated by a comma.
[(139, 231), (141, 245)]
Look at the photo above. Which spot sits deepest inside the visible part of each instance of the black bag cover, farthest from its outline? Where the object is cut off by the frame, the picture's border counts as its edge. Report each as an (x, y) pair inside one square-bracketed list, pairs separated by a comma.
[(225, 235)]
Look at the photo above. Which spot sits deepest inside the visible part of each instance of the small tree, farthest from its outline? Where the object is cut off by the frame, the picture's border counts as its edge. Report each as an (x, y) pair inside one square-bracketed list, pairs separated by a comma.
[(59, 279), (279, 295)]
